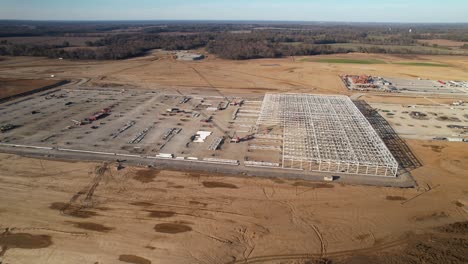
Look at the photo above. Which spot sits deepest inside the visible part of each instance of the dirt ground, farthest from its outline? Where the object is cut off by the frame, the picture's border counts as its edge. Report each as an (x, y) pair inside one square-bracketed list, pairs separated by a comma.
[(160, 70), (9, 87), (76, 212)]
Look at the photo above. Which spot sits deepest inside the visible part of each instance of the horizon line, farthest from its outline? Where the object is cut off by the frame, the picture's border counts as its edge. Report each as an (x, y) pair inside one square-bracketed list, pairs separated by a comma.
[(220, 20)]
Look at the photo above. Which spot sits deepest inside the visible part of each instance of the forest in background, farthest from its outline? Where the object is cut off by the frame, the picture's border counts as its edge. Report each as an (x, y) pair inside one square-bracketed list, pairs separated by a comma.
[(229, 40)]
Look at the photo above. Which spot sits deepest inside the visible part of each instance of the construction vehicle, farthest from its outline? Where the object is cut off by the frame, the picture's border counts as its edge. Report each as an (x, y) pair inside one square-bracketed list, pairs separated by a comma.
[(236, 139), (98, 115), (207, 120), (235, 103)]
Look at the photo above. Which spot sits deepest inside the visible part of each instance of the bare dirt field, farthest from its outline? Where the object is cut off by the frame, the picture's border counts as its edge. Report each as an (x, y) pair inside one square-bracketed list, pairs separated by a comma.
[(64, 212), (10, 87), (159, 69), (79, 212)]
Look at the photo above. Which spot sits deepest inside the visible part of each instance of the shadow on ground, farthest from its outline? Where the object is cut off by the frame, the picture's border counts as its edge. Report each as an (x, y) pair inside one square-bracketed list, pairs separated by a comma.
[(400, 150)]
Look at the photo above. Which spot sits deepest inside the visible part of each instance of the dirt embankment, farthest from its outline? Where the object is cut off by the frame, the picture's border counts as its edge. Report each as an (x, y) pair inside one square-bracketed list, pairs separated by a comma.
[(12, 88)]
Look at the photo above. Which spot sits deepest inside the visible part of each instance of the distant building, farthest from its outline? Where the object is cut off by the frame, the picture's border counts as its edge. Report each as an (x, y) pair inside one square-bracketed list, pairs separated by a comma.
[(185, 56)]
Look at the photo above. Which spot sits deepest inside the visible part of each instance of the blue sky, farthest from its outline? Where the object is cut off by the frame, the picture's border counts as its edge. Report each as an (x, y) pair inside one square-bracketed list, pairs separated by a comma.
[(294, 10)]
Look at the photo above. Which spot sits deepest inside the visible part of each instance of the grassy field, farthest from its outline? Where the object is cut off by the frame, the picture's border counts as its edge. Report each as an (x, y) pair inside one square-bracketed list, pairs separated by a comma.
[(416, 49), (375, 61), (350, 61)]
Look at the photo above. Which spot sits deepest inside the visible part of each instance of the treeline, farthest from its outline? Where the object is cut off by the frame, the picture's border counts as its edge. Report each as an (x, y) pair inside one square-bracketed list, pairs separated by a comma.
[(104, 53), (114, 47), (253, 48), (230, 41)]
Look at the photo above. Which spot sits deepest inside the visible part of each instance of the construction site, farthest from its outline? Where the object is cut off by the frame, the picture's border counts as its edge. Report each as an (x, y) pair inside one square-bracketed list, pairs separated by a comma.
[(400, 85), (316, 137), (210, 161)]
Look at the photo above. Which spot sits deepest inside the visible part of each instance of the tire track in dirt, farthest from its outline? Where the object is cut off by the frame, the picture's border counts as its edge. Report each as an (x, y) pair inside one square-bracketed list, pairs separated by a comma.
[(252, 83), (203, 78), (107, 74), (248, 244), (74, 206), (323, 246), (336, 254), (296, 84)]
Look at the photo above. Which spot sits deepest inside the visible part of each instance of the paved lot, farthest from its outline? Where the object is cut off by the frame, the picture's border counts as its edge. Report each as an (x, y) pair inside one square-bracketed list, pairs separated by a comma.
[(137, 128)]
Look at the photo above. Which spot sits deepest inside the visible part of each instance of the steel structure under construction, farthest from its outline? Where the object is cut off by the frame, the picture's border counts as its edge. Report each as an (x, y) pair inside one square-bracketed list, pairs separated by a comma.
[(325, 133)]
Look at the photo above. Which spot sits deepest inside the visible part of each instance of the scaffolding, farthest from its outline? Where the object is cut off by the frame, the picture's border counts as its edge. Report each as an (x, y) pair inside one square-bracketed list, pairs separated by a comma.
[(325, 133)]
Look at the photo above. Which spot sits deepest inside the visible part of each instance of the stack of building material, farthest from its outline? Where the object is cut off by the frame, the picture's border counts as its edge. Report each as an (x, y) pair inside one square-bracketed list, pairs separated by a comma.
[(223, 161), (200, 136), (216, 143), (260, 164), (165, 156)]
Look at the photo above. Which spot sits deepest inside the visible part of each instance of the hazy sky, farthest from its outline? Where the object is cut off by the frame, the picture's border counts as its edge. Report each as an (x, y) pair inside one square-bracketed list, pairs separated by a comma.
[(303, 10)]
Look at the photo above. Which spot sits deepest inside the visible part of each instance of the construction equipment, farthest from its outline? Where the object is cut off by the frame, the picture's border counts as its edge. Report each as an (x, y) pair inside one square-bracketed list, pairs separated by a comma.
[(236, 139), (235, 103), (207, 120), (101, 114)]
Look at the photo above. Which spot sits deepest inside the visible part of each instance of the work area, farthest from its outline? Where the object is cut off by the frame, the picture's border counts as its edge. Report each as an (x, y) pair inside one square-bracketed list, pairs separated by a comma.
[(300, 133), (401, 85)]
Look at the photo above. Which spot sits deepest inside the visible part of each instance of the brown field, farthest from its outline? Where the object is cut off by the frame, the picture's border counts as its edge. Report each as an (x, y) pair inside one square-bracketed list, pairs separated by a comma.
[(9, 87), (159, 69), (52, 214), (60, 212), (444, 42)]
